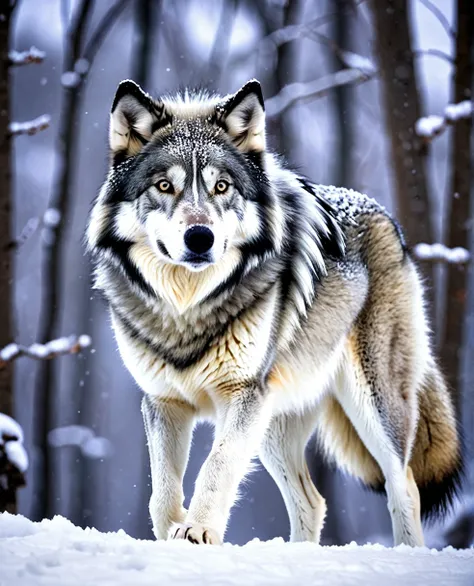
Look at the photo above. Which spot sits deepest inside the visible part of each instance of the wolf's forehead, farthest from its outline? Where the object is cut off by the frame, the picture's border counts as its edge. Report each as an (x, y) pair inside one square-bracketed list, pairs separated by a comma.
[(197, 139)]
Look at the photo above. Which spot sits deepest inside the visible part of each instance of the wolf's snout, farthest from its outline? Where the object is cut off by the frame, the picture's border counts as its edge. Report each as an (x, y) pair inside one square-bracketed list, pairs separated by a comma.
[(199, 239)]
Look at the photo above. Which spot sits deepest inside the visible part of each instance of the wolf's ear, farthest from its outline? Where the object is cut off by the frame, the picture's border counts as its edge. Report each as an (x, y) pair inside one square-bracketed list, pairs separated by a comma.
[(244, 117), (135, 116)]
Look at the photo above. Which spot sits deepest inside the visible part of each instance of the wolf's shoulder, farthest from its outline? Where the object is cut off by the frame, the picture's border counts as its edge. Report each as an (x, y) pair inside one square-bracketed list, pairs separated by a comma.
[(347, 204)]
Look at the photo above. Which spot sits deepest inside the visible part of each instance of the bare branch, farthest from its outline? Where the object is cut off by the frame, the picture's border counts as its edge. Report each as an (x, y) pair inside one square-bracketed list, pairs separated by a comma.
[(293, 32), (102, 29), (27, 232), (33, 55), (436, 12), (434, 53), (297, 92), (58, 347), (429, 127), (30, 127), (441, 254), (76, 67)]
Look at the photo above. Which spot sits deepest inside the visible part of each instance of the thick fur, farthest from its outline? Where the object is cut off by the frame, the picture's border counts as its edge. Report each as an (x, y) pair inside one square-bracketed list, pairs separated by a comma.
[(244, 294)]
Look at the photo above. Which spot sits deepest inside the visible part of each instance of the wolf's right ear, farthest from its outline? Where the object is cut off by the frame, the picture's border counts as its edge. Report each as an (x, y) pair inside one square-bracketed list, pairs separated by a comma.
[(135, 116)]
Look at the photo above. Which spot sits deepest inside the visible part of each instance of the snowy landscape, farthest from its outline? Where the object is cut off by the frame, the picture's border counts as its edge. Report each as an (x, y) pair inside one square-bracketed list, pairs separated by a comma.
[(58, 553)]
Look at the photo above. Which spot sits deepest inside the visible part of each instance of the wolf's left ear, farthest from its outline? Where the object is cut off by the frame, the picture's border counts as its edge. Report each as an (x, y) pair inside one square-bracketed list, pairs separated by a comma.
[(243, 115), (135, 116)]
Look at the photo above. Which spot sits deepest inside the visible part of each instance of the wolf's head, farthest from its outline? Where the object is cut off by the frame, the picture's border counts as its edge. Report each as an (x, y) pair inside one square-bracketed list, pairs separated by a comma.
[(186, 171)]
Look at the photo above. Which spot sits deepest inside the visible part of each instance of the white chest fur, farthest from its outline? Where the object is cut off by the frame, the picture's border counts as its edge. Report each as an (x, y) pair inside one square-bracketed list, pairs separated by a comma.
[(233, 359)]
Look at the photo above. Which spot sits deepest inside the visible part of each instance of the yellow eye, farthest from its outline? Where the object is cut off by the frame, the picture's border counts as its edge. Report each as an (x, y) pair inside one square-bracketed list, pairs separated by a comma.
[(165, 186), (222, 186)]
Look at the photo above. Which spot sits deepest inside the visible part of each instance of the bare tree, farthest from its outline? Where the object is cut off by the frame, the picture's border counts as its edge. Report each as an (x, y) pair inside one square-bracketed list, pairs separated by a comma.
[(285, 72), (11, 478), (8, 493), (6, 248), (342, 35), (401, 98), (78, 59), (459, 206)]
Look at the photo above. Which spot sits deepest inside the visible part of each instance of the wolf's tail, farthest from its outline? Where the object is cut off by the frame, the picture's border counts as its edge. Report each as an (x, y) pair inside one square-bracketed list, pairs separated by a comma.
[(436, 458)]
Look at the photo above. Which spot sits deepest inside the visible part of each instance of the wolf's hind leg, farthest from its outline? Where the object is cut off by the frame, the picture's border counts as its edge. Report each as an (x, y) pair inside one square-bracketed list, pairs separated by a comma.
[(283, 454), (168, 427), (387, 435)]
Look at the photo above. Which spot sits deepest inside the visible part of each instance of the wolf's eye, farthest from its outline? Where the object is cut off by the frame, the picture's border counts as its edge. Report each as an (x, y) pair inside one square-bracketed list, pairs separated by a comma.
[(164, 186), (222, 186)]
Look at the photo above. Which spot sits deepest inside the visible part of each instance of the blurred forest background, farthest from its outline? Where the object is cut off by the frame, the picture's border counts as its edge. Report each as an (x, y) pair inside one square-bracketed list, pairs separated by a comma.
[(357, 94)]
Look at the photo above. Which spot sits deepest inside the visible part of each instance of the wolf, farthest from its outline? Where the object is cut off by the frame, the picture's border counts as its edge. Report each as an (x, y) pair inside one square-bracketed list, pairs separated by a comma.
[(244, 294)]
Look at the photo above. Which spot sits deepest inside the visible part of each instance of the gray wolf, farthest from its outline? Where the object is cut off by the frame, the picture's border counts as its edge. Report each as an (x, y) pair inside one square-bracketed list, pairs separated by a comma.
[(244, 294)]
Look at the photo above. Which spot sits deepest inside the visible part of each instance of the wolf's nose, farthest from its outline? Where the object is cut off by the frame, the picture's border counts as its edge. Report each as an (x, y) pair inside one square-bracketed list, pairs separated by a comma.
[(199, 239)]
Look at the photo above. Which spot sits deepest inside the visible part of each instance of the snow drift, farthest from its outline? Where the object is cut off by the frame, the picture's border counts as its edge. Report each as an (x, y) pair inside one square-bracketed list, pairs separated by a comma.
[(58, 553)]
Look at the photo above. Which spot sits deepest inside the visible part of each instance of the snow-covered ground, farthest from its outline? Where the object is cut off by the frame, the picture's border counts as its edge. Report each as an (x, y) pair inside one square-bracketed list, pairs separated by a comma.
[(58, 553)]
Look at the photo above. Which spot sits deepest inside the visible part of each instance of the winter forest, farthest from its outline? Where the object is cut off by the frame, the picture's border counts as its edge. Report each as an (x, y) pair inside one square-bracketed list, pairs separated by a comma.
[(367, 94)]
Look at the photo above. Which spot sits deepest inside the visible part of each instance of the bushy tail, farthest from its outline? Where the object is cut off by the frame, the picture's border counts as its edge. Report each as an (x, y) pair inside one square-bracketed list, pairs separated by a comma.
[(436, 456)]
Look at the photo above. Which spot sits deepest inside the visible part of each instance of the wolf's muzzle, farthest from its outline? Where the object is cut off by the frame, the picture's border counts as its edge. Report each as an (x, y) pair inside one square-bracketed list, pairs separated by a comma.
[(199, 239)]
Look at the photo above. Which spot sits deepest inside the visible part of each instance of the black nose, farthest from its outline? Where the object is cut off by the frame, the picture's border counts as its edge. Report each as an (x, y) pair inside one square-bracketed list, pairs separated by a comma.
[(199, 239)]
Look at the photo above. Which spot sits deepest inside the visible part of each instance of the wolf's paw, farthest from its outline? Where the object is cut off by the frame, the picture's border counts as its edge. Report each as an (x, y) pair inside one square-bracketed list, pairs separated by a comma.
[(194, 533)]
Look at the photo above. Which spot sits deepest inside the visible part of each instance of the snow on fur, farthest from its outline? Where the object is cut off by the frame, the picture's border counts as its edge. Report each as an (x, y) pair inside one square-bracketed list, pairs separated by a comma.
[(57, 552)]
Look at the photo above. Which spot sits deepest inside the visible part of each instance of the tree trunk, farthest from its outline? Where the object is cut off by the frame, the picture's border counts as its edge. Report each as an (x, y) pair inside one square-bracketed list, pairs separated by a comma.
[(459, 214), (7, 496), (401, 99), (52, 259), (6, 244), (286, 64), (344, 122)]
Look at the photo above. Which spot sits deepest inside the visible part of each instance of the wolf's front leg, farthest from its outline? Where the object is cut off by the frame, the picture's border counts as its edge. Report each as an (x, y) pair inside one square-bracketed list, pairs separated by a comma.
[(240, 427), (168, 426)]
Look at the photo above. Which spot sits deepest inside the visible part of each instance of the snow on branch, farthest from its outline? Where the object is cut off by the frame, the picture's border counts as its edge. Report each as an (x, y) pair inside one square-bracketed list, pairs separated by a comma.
[(441, 253), (33, 55), (356, 61), (431, 126), (58, 347), (297, 92), (13, 458), (91, 445), (30, 127)]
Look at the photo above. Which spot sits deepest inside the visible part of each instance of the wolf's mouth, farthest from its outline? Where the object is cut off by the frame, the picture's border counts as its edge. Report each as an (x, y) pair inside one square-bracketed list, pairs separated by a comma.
[(198, 261)]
